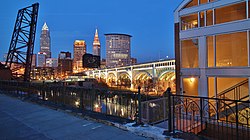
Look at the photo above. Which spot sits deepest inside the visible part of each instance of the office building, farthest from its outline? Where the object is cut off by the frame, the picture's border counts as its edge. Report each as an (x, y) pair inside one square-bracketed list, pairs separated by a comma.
[(212, 48), (33, 64), (45, 45), (79, 51), (64, 55), (41, 59), (118, 51), (52, 62)]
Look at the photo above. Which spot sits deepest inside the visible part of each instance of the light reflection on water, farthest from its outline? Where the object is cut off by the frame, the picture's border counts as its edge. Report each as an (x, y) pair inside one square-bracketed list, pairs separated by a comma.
[(112, 105)]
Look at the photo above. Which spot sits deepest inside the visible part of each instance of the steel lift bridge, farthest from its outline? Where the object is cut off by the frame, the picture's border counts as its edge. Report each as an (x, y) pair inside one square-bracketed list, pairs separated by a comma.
[(19, 58)]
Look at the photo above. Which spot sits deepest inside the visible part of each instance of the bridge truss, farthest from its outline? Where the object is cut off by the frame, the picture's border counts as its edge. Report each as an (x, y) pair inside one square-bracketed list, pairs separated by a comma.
[(19, 58)]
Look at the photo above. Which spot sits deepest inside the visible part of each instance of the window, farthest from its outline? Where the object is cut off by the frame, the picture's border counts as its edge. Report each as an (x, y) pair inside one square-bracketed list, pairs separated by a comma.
[(189, 53), (189, 22), (203, 1), (230, 13), (210, 51), (231, 50), (190, 86), (211, 88), (249, 9), (202, 19), (224, 83), (209, 17), (192, 3)]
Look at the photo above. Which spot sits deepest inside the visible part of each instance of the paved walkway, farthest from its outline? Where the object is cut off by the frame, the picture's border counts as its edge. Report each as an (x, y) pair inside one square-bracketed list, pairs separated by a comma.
[(24, 120)]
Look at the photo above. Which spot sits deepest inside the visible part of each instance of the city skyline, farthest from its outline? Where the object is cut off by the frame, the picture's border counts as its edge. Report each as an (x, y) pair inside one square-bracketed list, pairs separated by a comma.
[(150, 24)]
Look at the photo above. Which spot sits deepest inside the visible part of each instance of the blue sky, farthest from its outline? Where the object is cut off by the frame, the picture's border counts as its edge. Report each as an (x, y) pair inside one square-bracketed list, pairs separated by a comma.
[(150, 22)]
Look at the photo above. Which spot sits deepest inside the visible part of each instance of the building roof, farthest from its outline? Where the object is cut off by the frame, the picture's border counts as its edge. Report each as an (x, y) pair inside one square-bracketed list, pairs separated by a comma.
[(118, 34)]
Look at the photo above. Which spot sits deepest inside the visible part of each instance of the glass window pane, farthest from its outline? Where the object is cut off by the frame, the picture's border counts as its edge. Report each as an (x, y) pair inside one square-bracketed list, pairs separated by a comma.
[(192, 3), (189, 53), (189, 22), (190, 86), (225, 84), (202, 20), (249, 9), (203, 1), (209, 17), (211, 89), (210, 51), (230, 13), (231, 50)]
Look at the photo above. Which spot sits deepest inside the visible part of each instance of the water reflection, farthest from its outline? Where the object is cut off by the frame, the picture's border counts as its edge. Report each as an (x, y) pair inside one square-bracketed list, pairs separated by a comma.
[(107, 103)]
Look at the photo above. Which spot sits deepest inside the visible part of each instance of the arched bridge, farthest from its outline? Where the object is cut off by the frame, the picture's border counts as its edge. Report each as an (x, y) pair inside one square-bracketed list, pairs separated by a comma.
[(152, 76)]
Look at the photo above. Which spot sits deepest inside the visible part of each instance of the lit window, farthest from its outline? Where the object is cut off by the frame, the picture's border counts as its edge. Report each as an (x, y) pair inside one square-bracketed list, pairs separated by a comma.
[(189, 22), (230, 13)]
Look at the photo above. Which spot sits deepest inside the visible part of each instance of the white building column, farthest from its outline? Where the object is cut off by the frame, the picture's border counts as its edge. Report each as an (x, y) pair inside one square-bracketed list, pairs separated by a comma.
[(131, 78), (203, 80)]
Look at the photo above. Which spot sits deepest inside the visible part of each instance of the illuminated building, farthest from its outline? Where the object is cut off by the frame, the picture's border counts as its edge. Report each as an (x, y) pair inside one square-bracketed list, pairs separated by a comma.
[(118, 51), (79, 51), (133, 61), (51, 62), (33, 65), (64, 55), (45, 45), (212, 47), (96, 45), (41, 58)]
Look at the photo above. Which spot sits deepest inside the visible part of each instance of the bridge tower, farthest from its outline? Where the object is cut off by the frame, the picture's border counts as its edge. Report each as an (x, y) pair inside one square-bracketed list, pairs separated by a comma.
[(22, 42)]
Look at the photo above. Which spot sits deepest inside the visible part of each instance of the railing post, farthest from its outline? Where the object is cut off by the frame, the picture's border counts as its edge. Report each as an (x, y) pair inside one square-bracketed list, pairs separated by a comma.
[(201, 112), (237, 120), (169, 114)]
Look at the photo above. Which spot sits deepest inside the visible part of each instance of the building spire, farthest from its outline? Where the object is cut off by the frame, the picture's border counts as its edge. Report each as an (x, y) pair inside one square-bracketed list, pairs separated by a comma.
[(96, 39), (96, 44), (45, 27)]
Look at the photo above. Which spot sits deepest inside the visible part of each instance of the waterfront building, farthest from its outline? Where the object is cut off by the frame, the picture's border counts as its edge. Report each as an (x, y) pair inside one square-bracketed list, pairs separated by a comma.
[(118, 52), (79, 51), (212, 48), (41, 58), (96, 45), (45, 45)]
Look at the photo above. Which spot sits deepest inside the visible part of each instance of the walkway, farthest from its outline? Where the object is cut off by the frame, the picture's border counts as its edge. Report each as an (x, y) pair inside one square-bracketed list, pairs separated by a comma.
[(24, 120)]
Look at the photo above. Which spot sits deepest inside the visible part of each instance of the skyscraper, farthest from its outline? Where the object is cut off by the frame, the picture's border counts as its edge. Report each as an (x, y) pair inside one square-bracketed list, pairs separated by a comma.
[(41, 58), (118, 51), (79, 51), (96, 45), (45, 41)]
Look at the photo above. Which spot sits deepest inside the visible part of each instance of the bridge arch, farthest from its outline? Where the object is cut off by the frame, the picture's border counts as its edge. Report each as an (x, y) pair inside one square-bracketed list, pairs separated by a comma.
[(111, 79), (165, 80), (124, 80)]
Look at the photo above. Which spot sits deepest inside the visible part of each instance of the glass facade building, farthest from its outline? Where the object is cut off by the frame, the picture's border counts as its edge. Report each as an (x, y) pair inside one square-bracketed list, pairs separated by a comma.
[(212, 47), (118, 52)]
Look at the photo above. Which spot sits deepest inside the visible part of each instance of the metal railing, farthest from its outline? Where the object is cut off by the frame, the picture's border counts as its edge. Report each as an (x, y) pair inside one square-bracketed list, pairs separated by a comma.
[(155, 111), (110, 102), (211, 117)]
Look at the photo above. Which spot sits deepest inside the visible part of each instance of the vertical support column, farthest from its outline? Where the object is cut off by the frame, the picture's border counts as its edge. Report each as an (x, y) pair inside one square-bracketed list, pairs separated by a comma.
[(202, 89), (99, 75), (116, 77), (106, 75), (131, 78)]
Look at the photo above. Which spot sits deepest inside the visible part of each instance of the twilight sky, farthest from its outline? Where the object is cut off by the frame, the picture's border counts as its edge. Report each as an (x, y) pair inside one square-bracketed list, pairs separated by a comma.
[(150, 22)]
